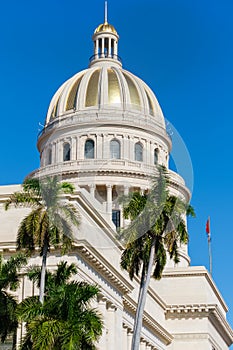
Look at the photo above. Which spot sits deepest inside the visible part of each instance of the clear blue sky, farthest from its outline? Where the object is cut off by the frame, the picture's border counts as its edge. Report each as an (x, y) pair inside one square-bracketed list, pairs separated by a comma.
[(182, 49)]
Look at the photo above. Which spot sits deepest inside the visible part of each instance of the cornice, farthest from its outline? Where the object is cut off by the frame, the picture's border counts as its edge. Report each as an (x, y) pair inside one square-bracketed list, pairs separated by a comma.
[(84, 119), (103, 267), (195, 271), (92, 257), (220, 323), (148, 321), (210, 311), (110, 168)]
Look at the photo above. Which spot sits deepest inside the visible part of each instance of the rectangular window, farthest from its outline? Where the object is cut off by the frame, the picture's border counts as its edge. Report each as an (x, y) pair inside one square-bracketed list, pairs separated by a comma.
[(116, 218)]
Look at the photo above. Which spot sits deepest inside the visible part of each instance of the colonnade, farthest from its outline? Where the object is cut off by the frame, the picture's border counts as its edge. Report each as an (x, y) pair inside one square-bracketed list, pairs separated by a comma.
[(116, 335), (123, 190), (105, 47), (54, 150)]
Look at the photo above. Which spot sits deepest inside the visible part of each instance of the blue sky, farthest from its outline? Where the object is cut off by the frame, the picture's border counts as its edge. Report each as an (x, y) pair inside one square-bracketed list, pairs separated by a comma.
[(182, 49)]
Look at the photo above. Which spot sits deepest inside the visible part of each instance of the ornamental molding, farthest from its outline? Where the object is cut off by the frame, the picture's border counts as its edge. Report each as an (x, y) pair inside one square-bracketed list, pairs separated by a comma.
[(91, 256), (147, 342), (148, 321), (210, 311), (190, 336), (99, 168), (104, 268), (195, 271), (188, 311), (127, 119)]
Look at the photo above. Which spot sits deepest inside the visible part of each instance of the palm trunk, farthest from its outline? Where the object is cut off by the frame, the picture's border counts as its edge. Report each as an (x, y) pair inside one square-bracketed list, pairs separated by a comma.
[(14, 342), (141, 288), (145, 280), (43, 271)]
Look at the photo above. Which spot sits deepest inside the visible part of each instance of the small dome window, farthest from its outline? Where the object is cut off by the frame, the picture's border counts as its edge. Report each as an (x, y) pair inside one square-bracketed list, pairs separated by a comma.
[(89, 149), (138, 152), (49, 156), (115, 149), (156, 156), (66, 152)]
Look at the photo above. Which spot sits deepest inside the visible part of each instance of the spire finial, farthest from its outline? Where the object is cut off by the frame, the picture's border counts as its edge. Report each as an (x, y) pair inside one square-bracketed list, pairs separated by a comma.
[(106, 12)]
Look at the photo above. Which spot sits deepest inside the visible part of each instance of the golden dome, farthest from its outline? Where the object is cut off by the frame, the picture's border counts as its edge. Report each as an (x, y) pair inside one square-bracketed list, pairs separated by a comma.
[(105, 27), (104, 88)]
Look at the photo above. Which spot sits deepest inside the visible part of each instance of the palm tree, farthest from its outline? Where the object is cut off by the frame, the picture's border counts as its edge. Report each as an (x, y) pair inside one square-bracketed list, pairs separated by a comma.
[(157, 227), (9, 280), (50, 221), (65, 320)]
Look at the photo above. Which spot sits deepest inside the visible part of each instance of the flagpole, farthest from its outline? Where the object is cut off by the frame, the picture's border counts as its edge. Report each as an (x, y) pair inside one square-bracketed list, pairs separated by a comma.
[(210, 256), (209, 244)]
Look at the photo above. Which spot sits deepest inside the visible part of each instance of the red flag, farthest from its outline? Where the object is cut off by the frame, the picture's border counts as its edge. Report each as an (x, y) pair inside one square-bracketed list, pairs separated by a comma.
[(208, 229)]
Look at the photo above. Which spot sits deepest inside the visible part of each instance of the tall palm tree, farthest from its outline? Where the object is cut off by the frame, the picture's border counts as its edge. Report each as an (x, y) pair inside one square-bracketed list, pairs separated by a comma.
[(65, 320), (157, 227), (9, 281), (50, 222)]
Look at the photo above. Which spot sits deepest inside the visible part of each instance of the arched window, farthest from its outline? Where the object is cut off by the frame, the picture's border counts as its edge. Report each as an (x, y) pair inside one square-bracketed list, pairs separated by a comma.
[(156, 154), (66, 152), (49, 155), (138, 152), (115, 149), (89, 149)]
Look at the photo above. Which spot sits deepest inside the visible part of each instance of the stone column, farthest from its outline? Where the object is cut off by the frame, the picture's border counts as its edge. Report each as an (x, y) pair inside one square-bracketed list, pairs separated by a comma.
[(73, 148), (99, 148), (131, 149), (96, 48), (54, 153), (129, 339), (105, 146), (109, 198), (142, 345), (102, 49), (125, 148), (80, 150), (109, 47), (58, 152), (115, 48), (110, 323), (118, 327), (124, 338), (102, 308), (151, 154), (126, 190), (92, 190)]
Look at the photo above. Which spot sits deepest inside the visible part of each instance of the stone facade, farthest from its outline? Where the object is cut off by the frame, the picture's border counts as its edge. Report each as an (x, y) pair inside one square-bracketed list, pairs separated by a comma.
[(105, 133)]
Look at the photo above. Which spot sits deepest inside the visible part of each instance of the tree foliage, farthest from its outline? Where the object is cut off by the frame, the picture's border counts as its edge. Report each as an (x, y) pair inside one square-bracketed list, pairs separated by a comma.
[(9, 281), (66, 320), (157, 229), (50, 221)]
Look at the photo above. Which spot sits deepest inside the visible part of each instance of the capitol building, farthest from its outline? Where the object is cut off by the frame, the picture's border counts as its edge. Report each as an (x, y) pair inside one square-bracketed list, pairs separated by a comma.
[(105, 133)]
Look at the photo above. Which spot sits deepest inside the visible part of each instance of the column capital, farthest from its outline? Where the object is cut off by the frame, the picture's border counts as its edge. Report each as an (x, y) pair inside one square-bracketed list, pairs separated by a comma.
[(111, 306), (102, 298)]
